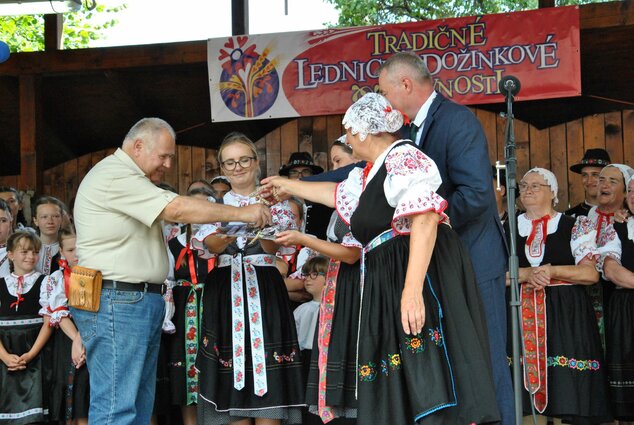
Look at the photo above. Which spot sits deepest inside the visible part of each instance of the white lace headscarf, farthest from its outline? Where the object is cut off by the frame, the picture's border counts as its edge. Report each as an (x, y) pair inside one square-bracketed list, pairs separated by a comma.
[(551, 181), (626, 170), (372, 114)]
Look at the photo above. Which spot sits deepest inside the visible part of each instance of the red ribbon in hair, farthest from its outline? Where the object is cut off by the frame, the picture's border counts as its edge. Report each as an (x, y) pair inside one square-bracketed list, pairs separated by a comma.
[(63, 264), (192, 265)]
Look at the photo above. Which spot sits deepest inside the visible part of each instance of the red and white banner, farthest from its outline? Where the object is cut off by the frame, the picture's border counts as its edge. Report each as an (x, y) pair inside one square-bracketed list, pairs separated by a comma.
[(323, 72)]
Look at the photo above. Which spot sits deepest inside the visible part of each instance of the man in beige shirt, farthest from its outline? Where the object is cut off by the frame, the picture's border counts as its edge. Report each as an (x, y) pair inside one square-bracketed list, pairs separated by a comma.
[(118, 214)]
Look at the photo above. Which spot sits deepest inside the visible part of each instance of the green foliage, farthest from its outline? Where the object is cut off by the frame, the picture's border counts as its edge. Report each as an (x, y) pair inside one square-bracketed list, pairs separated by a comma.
[(25, 33), (379, 12)]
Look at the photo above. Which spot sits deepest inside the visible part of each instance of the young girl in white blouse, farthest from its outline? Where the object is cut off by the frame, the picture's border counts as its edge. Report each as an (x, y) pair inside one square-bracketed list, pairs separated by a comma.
[(70, 397), (24, 331)]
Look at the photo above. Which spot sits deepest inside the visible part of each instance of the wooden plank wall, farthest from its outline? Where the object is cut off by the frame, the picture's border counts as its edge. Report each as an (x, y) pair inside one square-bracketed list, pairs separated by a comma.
[(555, 148)]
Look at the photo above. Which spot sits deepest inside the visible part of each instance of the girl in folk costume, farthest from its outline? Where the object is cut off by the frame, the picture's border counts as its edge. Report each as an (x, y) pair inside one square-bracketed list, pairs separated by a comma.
[(422, 345), (24, 372), (190, 272), (611, 208), (70, 395), (618, 268), (5, 231), (563, 360), (48, 221), (332, 374), (291, 257), (248, 359)]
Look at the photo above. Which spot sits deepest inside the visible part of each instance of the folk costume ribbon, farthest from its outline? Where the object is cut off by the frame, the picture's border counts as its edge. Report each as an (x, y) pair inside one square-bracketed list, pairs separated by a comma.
[(192, 329), (326, 313), (243, 272), (63, 264), (378, 240), (603, 220), (18, 294)]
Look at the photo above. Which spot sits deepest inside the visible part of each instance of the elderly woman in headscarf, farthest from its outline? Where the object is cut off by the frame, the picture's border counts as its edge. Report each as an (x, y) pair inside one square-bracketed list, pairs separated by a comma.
[(618, 268), (422, 348), (563, 369)]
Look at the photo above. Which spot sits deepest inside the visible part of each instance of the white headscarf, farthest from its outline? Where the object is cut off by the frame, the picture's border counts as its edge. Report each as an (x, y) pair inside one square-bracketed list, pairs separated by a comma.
[(551, 181), (372, 114), (626, 170)]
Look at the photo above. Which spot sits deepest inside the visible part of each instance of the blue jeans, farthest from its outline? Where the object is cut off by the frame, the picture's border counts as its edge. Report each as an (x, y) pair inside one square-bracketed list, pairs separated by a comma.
[(494, 300), (122, 343)]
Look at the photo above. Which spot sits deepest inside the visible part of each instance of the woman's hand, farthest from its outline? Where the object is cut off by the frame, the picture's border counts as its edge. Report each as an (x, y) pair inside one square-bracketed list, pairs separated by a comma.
[(412, 309), (290, 237), (275, 189), (78, 352), (621, 216), (539, 277)]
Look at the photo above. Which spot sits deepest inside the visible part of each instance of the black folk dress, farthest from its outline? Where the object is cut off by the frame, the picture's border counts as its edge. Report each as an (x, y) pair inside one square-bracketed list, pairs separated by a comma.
[(441, 375), (576, 385), (620, 332)]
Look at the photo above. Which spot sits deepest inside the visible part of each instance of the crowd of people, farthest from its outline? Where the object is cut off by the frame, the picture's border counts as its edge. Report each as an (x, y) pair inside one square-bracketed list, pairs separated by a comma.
[(375, 293)]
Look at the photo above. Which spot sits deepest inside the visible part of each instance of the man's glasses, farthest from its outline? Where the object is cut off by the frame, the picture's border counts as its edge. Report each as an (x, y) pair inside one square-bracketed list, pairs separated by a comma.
[(534, 187), (313, 275), (230, 164), (300, 173)]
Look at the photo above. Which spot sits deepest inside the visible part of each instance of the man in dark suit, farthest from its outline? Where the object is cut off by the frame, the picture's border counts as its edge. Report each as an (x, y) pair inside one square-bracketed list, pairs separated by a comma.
[(452, 136)]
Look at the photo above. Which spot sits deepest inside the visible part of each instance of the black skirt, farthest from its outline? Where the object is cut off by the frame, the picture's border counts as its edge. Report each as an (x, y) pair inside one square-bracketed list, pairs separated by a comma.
[(24, 393), (215, 354), (620, 353), (443, 374), (70, 397), (341, 370)]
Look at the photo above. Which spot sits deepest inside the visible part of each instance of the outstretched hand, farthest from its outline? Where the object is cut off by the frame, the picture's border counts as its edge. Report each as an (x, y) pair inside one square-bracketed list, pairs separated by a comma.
[(275, 189), (257, 214), (290, 237)]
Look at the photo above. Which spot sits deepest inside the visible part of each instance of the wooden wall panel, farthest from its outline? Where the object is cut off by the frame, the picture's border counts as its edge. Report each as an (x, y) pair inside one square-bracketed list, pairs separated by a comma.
[(555, 148), (593, 132), (628, 137), (489, 126), (273, 152), (614, 136), (184, 163), (559, 162), (575, 149)]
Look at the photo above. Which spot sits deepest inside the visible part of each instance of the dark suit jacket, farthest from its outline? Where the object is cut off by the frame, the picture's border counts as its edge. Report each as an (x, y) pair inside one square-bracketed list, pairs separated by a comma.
[(453, 137)]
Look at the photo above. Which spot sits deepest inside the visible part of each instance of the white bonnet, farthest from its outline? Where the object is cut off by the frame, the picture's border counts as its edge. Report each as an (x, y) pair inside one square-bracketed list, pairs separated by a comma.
[(550, 178), (626, 170), (372, 114)]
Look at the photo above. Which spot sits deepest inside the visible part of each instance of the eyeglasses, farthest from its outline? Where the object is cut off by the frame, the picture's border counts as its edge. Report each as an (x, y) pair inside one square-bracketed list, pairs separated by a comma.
[(300, 173), (230, 164), (534, 187), (313, 275)]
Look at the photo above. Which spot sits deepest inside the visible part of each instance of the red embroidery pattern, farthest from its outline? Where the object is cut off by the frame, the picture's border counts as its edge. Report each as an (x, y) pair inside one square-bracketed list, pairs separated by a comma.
[(535, 361)]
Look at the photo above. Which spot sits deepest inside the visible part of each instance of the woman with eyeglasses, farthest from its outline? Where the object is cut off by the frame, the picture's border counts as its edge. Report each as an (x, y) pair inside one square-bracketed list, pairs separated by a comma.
[(248, 355), (563, 359), (422, 346)]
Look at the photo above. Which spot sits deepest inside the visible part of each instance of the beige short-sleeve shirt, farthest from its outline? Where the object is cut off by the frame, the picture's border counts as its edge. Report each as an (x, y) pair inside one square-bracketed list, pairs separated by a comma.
[(116, 218)]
